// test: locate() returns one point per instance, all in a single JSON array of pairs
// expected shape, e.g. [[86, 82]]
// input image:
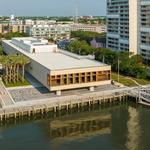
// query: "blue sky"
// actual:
[[52, 7]]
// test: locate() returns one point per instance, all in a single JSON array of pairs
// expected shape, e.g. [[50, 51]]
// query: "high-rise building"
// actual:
[[128, 26], [145, 30], [118, 24]]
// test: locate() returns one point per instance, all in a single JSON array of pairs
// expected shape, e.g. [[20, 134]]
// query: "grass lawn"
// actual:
[[25, 83], [123, 80], [142, 81], [128, 82]]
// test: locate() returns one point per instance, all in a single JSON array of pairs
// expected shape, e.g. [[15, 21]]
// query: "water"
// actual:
[[119, 127]]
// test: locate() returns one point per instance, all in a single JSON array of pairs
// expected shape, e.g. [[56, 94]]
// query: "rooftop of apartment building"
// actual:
[[50, 25]]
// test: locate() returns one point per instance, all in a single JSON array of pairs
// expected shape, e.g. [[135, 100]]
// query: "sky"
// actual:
[[52, 7]]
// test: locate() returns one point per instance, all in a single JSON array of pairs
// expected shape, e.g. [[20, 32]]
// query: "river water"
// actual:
[[119, 127]]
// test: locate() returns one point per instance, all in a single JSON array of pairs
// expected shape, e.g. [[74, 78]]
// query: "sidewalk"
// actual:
[[5, 97]]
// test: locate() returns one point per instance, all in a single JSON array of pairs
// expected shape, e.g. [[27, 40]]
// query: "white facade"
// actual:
[[128, 26], [45, 22], [89, 28], [29, 22], [32, 45], [49, 31]]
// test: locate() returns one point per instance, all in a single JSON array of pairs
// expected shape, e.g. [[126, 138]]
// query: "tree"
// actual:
[[24, 60], [1, 50], [87, 36], [11, 65], [79, 47]]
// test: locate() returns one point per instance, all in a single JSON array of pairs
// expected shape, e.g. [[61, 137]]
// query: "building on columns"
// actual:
[[57, 69]]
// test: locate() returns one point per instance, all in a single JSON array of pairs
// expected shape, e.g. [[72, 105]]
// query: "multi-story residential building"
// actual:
[[49, 31], [28, 22], [144, 39], [17, 28], [4, 28], [44, 22], [128, 26], [88, 27], [1, 29], [118, 24], [16, 22]]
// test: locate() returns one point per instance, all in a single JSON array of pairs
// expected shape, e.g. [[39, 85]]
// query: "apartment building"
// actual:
[[49, 31], [88, 27], [128, 26], [44, 22], [1, 29], [144, 39], [4, 28], [17, 28], [118, 24]]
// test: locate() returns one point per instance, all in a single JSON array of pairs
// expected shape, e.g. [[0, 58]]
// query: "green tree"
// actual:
[[1, 50], [24, 61], [12, 65], [79, 47]]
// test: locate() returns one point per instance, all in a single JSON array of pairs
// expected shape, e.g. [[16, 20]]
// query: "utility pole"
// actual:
[[118, 69], [79, 51], [139, 94], [103, 59], [76, 15]]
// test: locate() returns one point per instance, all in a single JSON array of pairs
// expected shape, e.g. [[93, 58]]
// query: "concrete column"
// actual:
[[91, 88], [58, 93]]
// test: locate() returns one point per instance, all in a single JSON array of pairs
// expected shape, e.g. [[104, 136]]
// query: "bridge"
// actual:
[[141, 93]]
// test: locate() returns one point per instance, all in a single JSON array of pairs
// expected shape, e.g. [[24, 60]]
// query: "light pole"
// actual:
[[79, 51], [103, 59], [118, 69]]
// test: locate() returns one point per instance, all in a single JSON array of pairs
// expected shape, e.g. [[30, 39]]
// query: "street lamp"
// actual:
[[118, 69], [103, 59]]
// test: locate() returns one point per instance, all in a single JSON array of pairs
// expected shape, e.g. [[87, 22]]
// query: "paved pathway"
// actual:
[[133, 81], [5, 97], [32, 93]]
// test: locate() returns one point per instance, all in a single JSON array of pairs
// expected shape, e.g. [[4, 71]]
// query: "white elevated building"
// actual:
[[49, 31], [58, 69]]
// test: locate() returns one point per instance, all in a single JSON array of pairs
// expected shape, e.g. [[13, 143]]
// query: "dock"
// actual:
[[62, 102], [67, 102]]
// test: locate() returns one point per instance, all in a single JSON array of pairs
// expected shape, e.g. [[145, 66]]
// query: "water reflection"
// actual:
[[89, 124], [134, 131], [119, 127]]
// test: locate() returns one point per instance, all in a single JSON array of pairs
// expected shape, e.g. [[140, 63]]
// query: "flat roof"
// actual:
[[59, 60]]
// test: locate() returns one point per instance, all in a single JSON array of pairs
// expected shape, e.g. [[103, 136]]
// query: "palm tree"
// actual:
[[11, 64], [4, 61], [24, 61], [15, 63]]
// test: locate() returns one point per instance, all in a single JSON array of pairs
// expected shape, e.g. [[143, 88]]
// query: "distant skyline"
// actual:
[[52, 7]]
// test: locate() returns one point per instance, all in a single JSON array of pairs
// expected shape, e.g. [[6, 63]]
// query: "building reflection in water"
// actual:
[[133, 126], [80, 127]]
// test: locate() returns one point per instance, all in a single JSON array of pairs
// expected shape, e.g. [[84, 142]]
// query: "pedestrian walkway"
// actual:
[[5, 97]]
